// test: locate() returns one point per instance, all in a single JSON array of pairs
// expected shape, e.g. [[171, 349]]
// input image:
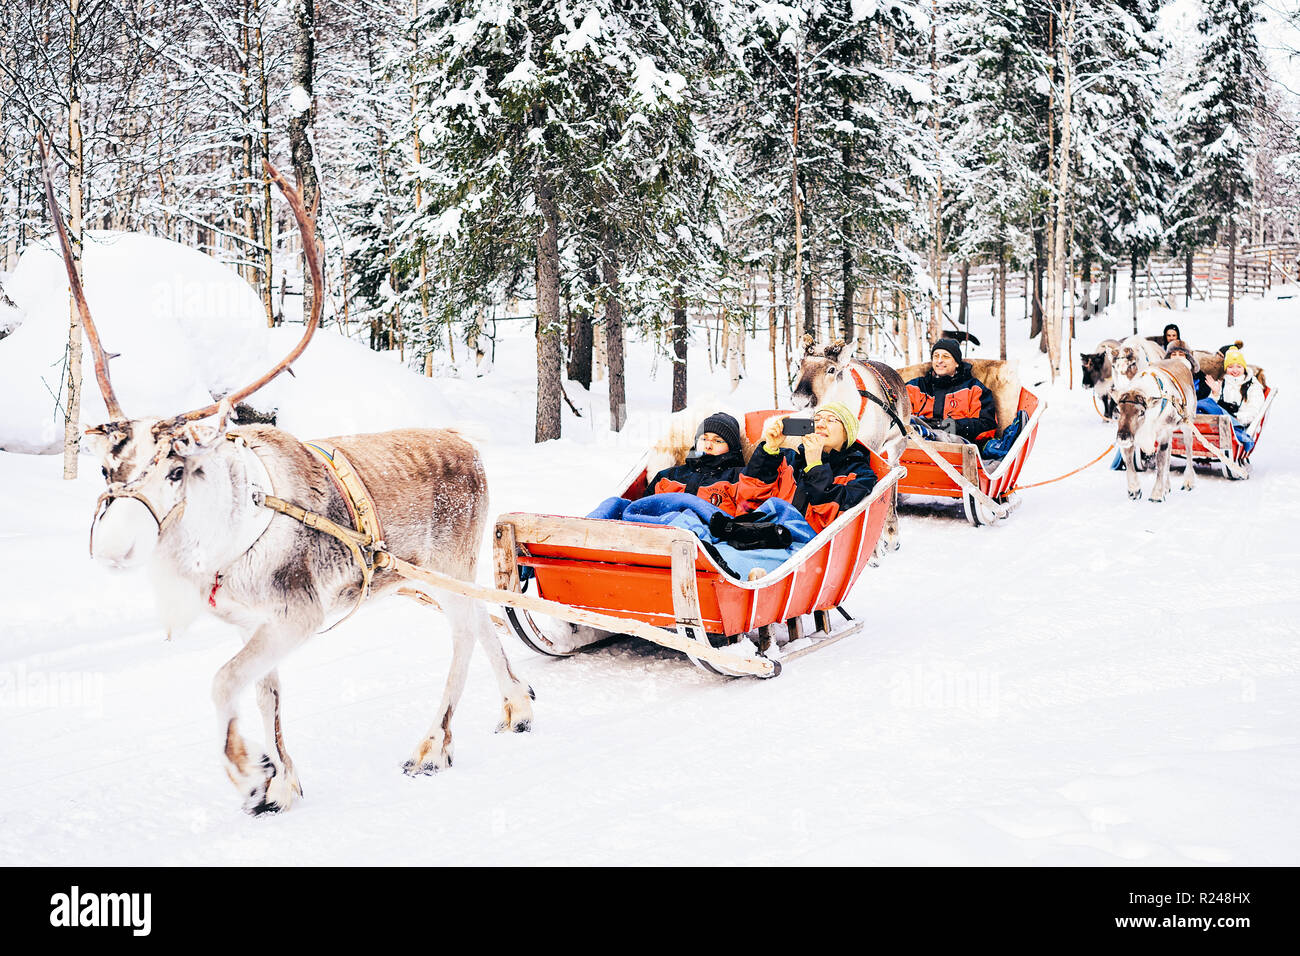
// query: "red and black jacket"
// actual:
[[842, 480], [711, 477], [961, 397]]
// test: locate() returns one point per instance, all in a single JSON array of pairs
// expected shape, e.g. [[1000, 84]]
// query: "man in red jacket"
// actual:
[[951, 399]]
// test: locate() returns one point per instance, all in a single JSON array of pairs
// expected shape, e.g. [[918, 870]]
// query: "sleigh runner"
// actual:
[[661, 584]]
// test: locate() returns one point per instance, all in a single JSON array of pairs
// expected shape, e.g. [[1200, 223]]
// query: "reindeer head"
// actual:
[[1128, 362], [151, 466], [1096, 368], [1136, 408], [818, 374]]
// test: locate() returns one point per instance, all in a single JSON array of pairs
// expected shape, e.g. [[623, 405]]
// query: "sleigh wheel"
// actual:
[[551, 637], [977, 513]]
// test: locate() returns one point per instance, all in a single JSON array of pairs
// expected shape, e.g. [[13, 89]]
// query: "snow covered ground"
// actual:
[[1093, 681]]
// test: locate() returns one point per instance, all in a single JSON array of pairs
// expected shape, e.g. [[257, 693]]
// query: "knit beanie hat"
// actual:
[[1233, 357], [1178, 334], [948, 345], [846, 417], [725, 427]]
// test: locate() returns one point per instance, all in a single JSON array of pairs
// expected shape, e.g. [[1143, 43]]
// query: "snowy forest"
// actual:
[[695, 173]]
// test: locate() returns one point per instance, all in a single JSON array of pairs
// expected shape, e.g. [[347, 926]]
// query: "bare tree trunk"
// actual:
[[847, 292], [1187, 303], [1133, 288], [302, 116], [268, 221], [613, 332], [1232, 253], [936, 300], [679, 350], [76, 212], [1056, 305], [1002, 300], [810, 307], [964, 302], [550, 357], [415, 147], [771, 326], [1036, 315], [1103, 296], [794, 194]]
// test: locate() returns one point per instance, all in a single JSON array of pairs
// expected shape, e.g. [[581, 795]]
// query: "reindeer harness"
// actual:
[[867, 396]]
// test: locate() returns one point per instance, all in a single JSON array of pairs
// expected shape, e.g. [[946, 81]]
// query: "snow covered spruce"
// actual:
[[237, 522]]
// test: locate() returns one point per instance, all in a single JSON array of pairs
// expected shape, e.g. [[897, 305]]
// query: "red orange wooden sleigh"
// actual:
[[661, 584], [995, 480]]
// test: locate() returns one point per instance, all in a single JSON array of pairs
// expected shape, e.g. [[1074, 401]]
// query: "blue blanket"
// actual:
[[681, 510], [1208, 406]]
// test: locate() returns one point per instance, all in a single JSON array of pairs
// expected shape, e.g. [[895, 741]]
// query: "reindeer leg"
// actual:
[[889, 540], [1130, 471], [1189, 473], [1161, 488], [284, 785], [252, 776], [517, 696], [434, 752]]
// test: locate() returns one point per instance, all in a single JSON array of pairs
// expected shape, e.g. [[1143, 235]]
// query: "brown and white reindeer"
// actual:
[[1149, 407], [1134, 354], [874, 389], [194, 501]]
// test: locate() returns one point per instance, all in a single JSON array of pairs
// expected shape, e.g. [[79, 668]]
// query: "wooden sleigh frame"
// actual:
[[661, 584], [1218, 444], [925, 477]]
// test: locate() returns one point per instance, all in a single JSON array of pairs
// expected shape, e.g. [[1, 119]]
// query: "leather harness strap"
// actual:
[[872, 397], [364, 542]]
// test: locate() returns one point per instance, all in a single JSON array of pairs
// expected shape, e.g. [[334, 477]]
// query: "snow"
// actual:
[[184, 325], [299, 101], [1094, 681]]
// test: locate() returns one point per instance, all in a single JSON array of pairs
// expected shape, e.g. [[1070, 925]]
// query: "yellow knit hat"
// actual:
[[1233, 357], [846, 417]]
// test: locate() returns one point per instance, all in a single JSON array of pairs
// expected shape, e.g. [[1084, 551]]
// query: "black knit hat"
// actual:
[[725, 427], [950, 346], [1178, 333]]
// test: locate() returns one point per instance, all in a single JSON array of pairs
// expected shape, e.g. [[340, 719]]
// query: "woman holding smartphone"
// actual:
[[828, 473]]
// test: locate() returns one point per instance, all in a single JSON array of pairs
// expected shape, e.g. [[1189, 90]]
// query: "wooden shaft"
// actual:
[[730, 663]]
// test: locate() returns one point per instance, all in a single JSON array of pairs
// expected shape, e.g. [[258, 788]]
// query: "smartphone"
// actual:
[[794, 427]]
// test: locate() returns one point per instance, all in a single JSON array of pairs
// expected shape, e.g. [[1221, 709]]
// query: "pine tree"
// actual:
[[1219, 122]]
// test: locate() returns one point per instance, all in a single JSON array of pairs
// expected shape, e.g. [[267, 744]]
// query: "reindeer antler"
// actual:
[[312, 248], [809, 343], [833, 350], [78, 293]]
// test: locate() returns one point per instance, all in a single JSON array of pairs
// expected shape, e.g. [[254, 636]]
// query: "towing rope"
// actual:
[[1049, 481]]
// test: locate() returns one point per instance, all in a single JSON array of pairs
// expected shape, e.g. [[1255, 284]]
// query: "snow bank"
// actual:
[[184, 325]]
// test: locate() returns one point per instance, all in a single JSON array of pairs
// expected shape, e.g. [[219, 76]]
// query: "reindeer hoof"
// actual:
[[426, 769], [521, 726], [1135, 495]]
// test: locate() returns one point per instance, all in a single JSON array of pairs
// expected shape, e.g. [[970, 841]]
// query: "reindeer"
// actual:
[[1098, 375], [1134, 354], [1149, 407], [229, 521], [874, 389]]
